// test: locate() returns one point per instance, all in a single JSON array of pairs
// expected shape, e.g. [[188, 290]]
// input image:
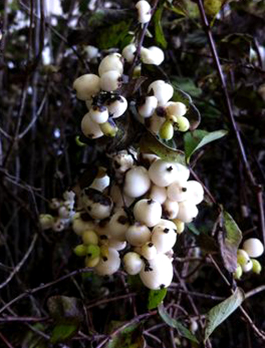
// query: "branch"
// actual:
[[257, 187]]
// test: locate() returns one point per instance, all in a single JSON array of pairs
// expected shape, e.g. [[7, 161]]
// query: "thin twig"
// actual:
[[21, 263]]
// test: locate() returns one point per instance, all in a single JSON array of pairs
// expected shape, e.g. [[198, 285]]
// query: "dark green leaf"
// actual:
[[155, 297], [159, 34], [221, 312], [229, 241], [150, 144], [187, 85], [114, 35], [197, 139], [183, 331], [63, 332]]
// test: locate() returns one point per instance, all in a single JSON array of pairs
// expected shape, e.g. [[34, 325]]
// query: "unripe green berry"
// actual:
[[256, 266], [79, 142], [109, 129], [242, 257], [183, 124], [80, 250], [93, 251], [166, 131], [92, 262], [90, 237], [238, 273], [46, 221]]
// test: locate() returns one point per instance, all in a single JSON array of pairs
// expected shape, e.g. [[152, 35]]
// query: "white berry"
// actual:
[[148, 212], [111, 62], [162, 90], [147, 109], [132, 263], [187, 211], [144, 11], [138, 234], [90, 128], [86, 86], [137, 182], [108, 264], [128, 52], [162, 173], [253, 247]]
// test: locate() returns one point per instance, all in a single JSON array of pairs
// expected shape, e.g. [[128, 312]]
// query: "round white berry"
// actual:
[[86, 86], [132, 263], [195, 191], [176, 108], [158, 273], [90, 128], [137, 182], [187, 211], [163, 238], [182, 173], [253, 247], [152, 55], [162, 90], [158, 194], [247, 267], [138, 234], [108, 264], [170, 209], [148, 212], [99, 114], [162, 173], [147, 109], [117, 106], [97, 205], [148, 251], [111, 62], [110, 81], [117, 244], [128, 52], [118, 225], [177, 192], [144, 11]]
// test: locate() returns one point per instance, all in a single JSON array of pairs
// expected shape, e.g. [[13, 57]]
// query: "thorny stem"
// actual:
[[257, 187]]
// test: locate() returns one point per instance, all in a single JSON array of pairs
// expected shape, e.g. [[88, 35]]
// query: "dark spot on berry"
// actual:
[[150, 245], [97, 197], [160, 111], [166, 230], [123, 220], [184, 189], [162, 286], [150, 201], [104, 258], [175, 230], [169, 169], [85, 217], [89, 255]]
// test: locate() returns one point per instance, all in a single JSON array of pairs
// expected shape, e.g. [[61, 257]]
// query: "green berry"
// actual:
[[238, 273], [183, 124], [109, 129], [80, 250], [256, 266], [93, 251], [166, 131]]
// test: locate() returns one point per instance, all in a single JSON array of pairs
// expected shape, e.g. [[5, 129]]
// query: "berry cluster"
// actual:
[[246, 257], [159, 114], [140, 211], [63, 211]]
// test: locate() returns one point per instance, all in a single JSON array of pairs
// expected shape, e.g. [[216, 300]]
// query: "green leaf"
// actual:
[[150, 144], [155, 297], [193, 141], [63, 332], [130, 337], [114, 35], [229, 241], [221, 312], [159, 34], [183, 331], [187, 85]]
